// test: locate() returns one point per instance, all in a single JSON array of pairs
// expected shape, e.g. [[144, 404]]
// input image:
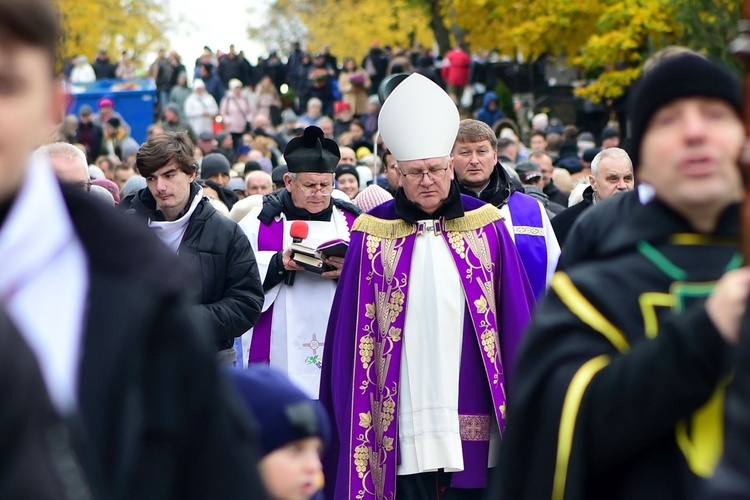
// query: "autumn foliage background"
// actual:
[[609, 40]]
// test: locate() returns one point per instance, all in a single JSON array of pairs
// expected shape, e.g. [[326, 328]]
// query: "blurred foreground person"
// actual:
[[104, 308], [294, 429], [620, 386]]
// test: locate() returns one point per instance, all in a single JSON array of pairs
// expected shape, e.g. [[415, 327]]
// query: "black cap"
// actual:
[[277, 174], [214, 163], [251, 166], [682, 76], [347, 168], [312, 152], [589, 154], [610, 132]]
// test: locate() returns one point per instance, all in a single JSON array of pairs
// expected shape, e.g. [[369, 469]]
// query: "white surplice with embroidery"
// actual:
[[300, 311]]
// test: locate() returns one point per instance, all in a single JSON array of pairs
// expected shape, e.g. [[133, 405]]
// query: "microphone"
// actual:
[[298, 232]]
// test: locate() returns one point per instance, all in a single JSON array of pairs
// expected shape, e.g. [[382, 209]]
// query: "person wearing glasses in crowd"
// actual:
[[70, 166], [427, 318], [291, 331]]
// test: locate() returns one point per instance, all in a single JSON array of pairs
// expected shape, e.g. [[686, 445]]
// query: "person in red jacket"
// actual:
[[455, 72]]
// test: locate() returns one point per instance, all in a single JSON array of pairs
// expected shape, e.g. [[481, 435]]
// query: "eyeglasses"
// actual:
[[85, 186], [434, 173], [324, 189]]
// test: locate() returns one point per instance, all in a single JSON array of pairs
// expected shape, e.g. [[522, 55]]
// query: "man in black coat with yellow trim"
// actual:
[[213, 246], [620, 385]]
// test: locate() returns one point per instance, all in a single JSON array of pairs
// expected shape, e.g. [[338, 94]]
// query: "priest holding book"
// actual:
[[425, 326], [290, 333]]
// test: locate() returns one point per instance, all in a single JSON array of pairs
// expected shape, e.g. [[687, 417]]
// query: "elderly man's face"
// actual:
[[689, 154], [613, 176], [474, 163], [427, 182], [347, 156], [327, 128], [310, 191], [258, 185]]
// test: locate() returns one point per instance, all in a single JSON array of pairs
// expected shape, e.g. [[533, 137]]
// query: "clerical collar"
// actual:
[[292, 212], [451, 208]]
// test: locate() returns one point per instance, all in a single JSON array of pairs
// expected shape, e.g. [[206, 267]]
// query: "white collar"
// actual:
[[37, 228]]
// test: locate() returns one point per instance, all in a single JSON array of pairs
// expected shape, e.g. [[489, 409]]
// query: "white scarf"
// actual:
[[171, 232], [45, 281]]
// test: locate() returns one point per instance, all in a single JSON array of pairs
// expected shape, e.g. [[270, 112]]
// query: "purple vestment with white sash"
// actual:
[[360, 378]]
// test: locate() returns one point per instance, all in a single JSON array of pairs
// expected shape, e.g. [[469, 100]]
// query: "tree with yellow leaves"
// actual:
[[115, 25], [609, 39], [349, 27]]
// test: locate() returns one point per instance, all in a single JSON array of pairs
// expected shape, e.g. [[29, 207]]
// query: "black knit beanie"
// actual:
[[683, 76]]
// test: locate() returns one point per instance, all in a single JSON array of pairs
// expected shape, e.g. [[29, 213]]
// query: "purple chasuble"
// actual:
[[362, 358]]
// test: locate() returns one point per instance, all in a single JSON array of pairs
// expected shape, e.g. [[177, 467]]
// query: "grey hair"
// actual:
[[322, 120], [616, 153], [65, 151]]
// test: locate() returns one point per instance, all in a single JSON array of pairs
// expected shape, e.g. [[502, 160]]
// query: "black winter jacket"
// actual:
[[218, 251]]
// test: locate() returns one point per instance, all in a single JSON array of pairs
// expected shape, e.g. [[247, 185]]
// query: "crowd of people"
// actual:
[[446, 312]]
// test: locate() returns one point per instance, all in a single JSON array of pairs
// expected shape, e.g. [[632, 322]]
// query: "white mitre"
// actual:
[[418, 120]]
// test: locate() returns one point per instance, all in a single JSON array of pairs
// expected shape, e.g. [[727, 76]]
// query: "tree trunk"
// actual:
[[437, 23]]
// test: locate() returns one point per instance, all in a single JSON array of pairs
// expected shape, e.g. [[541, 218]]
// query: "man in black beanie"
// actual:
[[619, 389]]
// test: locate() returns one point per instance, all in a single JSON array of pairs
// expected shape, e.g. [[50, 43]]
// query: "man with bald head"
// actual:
[[68, 163], [428, 313], [348, 156], [258, 182]]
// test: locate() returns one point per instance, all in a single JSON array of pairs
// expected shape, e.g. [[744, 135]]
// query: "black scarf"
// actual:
[[281, 201], [451, 208], [498, 190]]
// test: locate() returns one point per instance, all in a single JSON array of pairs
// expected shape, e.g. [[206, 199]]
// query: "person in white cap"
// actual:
[[428, 314], [201, 108]]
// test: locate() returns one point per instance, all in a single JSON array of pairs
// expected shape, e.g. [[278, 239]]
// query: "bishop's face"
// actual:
[[427, 182]]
